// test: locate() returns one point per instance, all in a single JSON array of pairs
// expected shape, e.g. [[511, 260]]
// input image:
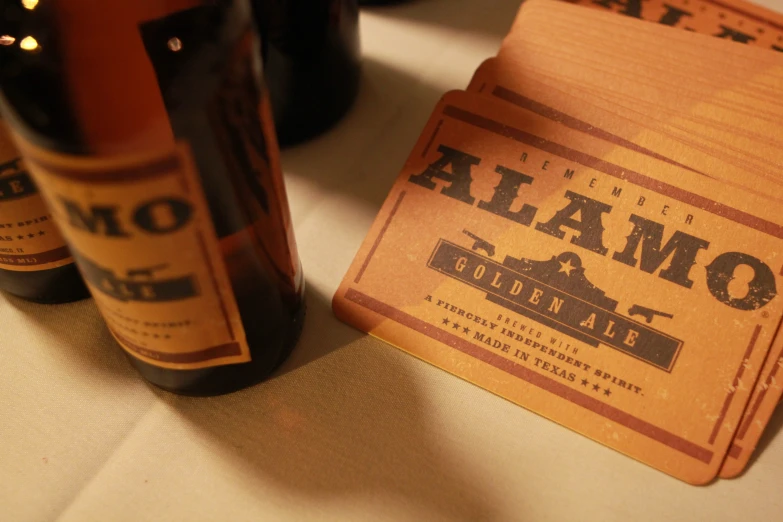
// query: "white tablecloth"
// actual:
[[350, 429]]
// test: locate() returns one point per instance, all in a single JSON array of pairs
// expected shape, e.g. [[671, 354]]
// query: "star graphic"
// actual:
[[466, 330], [596, 387], [607, 392], [19, 237], [455, 326], [31, 236], [585, 382], [41, 233], [445, 321], [566, 267]]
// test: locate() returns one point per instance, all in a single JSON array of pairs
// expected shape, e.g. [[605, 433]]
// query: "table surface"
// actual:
[[350, 428]]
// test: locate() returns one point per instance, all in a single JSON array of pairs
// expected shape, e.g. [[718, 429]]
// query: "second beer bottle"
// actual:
[[146, 127], [35, 263]]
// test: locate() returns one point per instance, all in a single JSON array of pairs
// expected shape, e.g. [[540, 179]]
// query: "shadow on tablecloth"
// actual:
[[346, 417], [79, 337]]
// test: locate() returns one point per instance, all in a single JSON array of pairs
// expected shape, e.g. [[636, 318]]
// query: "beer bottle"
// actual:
[[146, 127], [35, 263], [311, 61]]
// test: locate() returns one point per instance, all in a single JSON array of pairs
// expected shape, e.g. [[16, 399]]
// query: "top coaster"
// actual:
[[634, 303]]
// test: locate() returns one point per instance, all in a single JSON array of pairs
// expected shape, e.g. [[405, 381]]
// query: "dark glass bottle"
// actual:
[[312, 63], [35, 263], [146, 126]]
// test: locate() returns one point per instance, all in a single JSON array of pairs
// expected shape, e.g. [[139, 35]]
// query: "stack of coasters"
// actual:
[[592, 231]]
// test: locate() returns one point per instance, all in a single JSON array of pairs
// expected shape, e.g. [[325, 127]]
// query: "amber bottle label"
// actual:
[[142, 236], [29, 239]]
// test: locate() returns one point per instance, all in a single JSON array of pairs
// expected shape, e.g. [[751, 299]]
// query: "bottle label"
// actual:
[[29, 239], [143, 238]]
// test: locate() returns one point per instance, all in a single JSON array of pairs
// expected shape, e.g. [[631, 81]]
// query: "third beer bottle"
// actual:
[[146, 128]]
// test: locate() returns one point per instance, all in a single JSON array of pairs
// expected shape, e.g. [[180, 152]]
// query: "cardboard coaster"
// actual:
[[634, 306]]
